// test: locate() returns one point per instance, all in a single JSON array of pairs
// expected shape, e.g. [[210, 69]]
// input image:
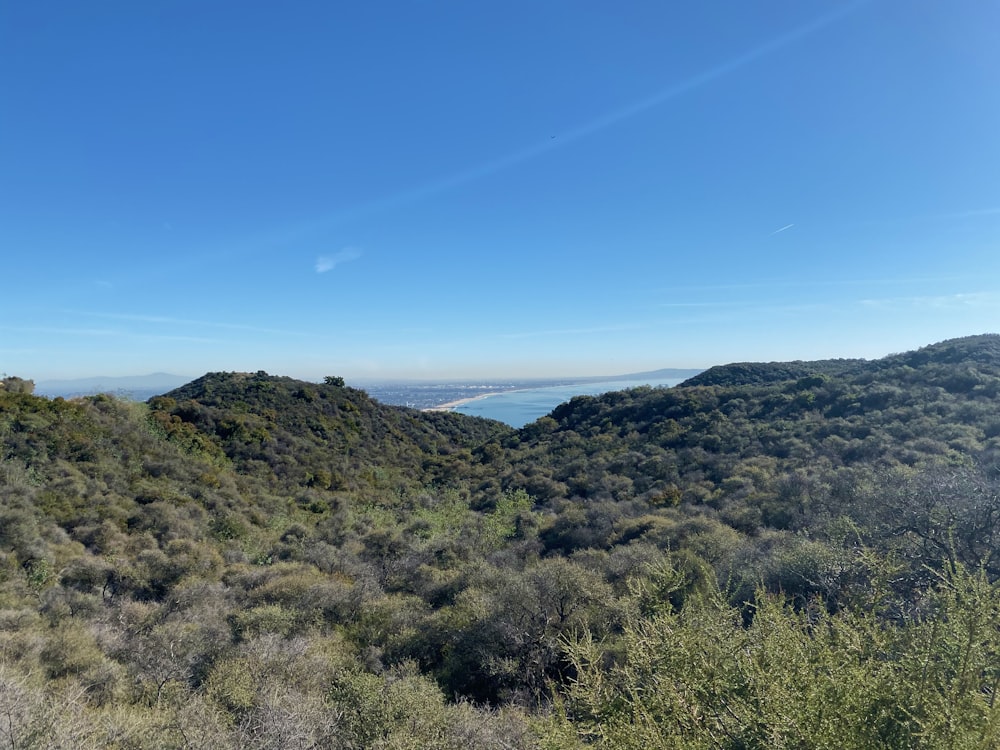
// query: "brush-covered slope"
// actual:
[[981, 352], [776, 455], [172, 583], [254, 561], [762, 373], [323, 435], [936, 403]]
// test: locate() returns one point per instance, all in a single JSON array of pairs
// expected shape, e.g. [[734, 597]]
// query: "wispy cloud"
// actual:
[[699, 304], [783, 229], [569, 331], [59, 331], [971, 214], [326, 263], [801, 283], [164, 320], [105, 333], [740, 307], [740, 311], [962, 300], [565, 137]]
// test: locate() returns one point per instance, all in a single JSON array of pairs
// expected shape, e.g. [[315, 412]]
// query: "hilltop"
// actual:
[[325, 435], [980, 351]]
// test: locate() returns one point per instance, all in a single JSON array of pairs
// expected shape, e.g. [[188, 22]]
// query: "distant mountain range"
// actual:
[[137, 387]]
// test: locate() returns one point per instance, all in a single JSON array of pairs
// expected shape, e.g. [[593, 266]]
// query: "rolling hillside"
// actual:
[[255, 561]]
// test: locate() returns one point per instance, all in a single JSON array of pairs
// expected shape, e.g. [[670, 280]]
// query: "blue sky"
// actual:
[[465, 189]]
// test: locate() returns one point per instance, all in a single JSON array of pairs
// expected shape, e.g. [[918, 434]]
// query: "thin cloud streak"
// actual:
[[974, 213], [290, 234], [686, 305], [738, 310], [730, 308], [962, 300], [718, 311], [61, 331], [569, 331], [789, 283], [589, 128], [106, 333], [326, 263], [163, 320]]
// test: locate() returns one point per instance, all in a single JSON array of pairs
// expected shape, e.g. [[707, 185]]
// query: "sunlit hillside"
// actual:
[[798, 554]]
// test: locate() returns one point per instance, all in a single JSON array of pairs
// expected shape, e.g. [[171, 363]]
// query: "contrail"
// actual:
[[596, 125], [779, 231], [292, 233]]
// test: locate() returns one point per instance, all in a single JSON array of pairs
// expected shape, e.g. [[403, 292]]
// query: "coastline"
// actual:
[[541, 400], [452, 405]]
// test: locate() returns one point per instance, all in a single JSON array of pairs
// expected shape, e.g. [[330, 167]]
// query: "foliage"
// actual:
[[777, 555], [699, 677]]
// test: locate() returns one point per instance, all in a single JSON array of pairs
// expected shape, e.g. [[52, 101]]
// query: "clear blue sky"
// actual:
[[451, 189]]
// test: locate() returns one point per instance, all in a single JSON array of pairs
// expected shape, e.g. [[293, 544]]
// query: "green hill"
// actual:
[[761, 373], [292, 433], [256, 561], [978, 351]]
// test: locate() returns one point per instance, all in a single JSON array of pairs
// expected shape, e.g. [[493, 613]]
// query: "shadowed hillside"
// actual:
[[329, 436]]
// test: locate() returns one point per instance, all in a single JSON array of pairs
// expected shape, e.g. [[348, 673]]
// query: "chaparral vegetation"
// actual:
[[770, 555]]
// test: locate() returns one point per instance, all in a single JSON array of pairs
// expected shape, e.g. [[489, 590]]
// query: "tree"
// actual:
[[13, 384]]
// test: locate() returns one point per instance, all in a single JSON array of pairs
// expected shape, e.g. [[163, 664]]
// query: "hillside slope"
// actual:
[[295, 433], [255, 561]]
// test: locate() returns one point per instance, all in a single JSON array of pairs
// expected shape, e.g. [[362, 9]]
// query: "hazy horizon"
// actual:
[[163, 376], [609, 370], [464, 190]]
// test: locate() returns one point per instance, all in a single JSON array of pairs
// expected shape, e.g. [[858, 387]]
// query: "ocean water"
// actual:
[[518, 408]]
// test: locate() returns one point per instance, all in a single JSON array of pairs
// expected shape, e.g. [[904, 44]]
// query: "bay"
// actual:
[[518, 408]]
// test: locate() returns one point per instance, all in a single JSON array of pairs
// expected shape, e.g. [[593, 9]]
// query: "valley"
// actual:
[[802, 550]]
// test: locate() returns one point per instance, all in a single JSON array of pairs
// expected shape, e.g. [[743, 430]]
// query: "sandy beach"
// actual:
[[451, 405]]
